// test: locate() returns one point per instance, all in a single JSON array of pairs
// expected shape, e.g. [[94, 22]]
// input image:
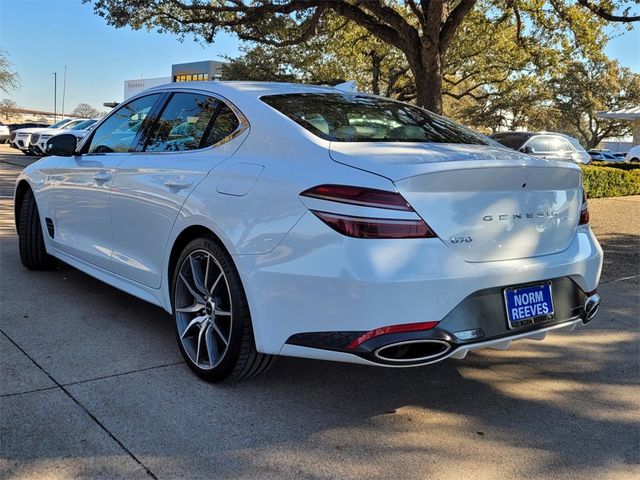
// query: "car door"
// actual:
[[82, 186], [194, 132]]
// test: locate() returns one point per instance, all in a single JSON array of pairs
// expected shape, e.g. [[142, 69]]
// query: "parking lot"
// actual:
[[94, 386]]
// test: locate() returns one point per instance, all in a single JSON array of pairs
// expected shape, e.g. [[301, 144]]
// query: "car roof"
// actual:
[[248, 89]]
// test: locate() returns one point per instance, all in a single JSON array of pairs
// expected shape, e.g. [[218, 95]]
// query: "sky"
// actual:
[[42, 36]]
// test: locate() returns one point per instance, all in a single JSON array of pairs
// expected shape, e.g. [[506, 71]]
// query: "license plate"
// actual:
[[529, 305]]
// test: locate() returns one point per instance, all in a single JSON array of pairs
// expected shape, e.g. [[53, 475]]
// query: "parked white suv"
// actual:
[[21, 138], [79, 130]]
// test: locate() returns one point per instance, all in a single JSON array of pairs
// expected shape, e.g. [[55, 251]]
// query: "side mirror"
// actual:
[[63, 145], [528, 149]]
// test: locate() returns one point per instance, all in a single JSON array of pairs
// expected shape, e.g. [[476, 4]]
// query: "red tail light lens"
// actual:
[[367, 197], [584, 210], [407, 327], [360, 227]]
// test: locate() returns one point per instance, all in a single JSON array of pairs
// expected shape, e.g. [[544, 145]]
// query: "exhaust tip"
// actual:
[[591, 307], [412, 351]]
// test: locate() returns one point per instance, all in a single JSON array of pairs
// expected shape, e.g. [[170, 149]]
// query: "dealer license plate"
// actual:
[[529, 305]]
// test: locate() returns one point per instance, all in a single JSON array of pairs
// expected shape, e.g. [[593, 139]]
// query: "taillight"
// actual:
[[366, 197], [363, 227], [368, 227], [584, 210]]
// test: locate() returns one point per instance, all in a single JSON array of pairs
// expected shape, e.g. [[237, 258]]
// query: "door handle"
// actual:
[[177, 184], [102, 177]]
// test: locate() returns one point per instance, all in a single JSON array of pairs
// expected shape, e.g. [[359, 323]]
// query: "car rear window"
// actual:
[[364, 118]]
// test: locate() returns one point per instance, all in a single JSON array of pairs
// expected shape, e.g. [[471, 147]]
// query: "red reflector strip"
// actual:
[[407, 327], [360, 227], [366, 197]]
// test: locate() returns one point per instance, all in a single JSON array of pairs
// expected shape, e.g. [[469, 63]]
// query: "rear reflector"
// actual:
[[366, 197], [360, 227], [407, 327], [584, 210]]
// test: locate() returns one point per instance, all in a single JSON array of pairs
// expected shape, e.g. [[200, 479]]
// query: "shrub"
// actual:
[[610, 181], [620, 165]]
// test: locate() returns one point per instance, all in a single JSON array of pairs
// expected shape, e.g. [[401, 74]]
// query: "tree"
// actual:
[[7, 108], [585, 88], [423, 30], [85, 110], [9, 79]]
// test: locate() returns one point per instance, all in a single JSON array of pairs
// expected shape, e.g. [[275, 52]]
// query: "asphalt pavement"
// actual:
[[93, 386]]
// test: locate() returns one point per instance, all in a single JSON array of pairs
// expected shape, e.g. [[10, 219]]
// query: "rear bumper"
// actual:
[[479, 321], [317, 280]]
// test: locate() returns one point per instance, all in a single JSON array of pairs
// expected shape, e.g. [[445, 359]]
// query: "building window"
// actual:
[[192, 77]]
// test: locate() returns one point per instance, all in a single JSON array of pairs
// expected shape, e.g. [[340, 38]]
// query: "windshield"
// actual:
[[83, 125], [60, 123], [362, 118], [575, 143]]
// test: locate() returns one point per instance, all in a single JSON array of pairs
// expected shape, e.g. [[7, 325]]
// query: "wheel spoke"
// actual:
[[212, 346], [215, 284], [192, 323], [200, 335], [196, 273], [224, 339], [222, 313], [206, 273], [196, 296], [196, 307]]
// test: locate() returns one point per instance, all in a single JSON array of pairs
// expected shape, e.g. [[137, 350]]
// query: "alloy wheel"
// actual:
[[203, 306]]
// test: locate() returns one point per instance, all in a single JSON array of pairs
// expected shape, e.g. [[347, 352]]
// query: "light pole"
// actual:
[[55, 97]]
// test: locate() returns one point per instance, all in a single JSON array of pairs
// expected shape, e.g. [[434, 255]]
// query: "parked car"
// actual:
[[17, 126], [79, 130], [21, 138], [602, 156], [552, 146], [4, 133], [279, 219], [633, 155]]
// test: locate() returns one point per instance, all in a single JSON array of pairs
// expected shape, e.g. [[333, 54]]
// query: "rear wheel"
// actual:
[[213, 323], [33, 253]]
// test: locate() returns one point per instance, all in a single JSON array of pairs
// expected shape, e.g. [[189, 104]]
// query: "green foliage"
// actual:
[[610, 182], [620, 165]]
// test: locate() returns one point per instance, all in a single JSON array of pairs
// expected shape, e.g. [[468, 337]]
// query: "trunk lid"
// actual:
[[485, 203]]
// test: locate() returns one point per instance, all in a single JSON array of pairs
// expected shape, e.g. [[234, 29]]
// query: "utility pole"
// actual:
[[55, 95], [64, 90]]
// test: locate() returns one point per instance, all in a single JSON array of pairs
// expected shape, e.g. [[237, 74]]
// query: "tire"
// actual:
[[33, 253], [28, 153], [209, 306]]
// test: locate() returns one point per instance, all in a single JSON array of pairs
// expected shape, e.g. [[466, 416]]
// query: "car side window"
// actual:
[[118, 133], [224, 125], [183, 123], [557, 144], [538, 144]]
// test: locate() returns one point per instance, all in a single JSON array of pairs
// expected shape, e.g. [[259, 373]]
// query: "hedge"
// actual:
[[620, 165], [610, 181]]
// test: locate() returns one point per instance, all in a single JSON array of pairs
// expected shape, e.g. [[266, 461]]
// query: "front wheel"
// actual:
[[33, 253], [211, 314]]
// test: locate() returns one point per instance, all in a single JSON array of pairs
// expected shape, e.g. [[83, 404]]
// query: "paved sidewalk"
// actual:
[[93, 386]]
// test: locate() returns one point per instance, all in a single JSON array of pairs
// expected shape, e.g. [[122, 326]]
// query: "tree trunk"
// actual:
[[426, 66]]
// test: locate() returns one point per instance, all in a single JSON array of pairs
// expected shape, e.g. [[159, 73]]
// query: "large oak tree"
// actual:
[[423, 30]]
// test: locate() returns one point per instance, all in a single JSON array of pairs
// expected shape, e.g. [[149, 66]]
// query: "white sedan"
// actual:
[[633, 155], [277, 219]]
